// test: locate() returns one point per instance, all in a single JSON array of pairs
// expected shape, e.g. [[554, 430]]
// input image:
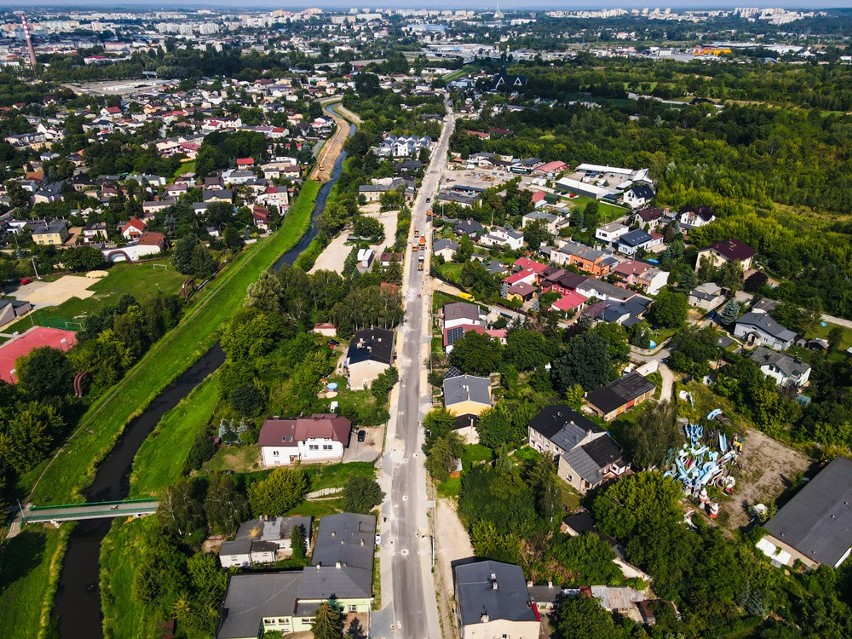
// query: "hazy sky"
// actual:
[[505, 5]]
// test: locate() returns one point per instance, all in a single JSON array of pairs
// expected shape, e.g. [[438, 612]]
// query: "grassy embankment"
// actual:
[[74, 466]]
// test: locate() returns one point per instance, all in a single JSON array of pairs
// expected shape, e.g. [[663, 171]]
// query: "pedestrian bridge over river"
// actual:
[[92, 510]]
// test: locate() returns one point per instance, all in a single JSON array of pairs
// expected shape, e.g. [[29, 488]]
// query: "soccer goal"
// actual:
[[165, 267]]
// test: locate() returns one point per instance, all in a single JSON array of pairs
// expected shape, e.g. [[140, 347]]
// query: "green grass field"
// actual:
[[28, 571], [118, 564], [61, 479], [140, 280], [161, 458], [335, 475], [186, 167]]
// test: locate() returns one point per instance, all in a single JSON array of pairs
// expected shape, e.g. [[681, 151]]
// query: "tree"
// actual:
[[328, 621], [645, 500], [180, 508], [730, 313], [527, 349], [299, 542], [202, 264], [46, 372], [182, 254], [669, 310], [585, 361], [443, 455], [266, 293], [232, 238], [83, 258], [28, 435], [464, 251], [583, 618], [755, 282], [536, 234], [476, 354], [654, 433], [437, 423], [495, 429], [199, 607], [355, 630], [361, 494], [248, 399], [615, 335], [639, 335], [280, 492], [224, 506], [693, 349]]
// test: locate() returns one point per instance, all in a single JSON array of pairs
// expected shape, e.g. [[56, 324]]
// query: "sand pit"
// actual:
[[54, 293]]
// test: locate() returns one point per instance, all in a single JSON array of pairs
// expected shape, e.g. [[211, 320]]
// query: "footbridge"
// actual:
[[79, 512]]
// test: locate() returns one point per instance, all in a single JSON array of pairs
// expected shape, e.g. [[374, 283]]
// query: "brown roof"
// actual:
[[734, 249], [150, 238], [278, 432]]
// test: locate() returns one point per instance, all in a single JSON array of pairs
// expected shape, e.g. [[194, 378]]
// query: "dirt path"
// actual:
[[331, 149], [767, 468]]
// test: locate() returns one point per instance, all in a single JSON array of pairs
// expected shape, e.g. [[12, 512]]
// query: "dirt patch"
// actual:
[[767, 468], [452, 540], [55, 293]]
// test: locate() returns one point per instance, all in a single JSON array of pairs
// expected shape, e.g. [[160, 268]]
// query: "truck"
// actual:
[[421, 259], [422, 242]]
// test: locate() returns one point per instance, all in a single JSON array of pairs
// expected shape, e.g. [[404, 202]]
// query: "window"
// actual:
[[275, 453], [326, 446], [569, 477], [353, 608], [313, 447]]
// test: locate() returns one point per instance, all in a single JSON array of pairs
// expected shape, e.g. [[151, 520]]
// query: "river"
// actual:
[[78, 599]]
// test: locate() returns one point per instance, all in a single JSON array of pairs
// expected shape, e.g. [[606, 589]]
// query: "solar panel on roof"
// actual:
[[454, 334]]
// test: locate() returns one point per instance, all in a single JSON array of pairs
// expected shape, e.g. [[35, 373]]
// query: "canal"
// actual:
[[78, 599]]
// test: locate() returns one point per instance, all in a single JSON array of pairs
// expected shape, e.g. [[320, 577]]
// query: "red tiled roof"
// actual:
[[569, 301]]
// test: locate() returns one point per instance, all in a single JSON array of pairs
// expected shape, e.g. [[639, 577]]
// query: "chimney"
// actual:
[[338, 564], [483, 618], [494, 585], [334, 533]]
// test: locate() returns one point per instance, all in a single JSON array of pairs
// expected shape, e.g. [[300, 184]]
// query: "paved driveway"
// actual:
[[368, 450]]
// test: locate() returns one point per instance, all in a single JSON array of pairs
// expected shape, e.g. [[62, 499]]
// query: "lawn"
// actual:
[[161, 458], [450, 271], [458, 73], [139, 279], [335, 475], [318, 508], [474, 454], [61, 479], [236, 459], [29, 570], [123, 617], [185, 167]]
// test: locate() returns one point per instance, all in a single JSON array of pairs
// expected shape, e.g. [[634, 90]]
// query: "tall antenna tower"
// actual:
[[29, 40]]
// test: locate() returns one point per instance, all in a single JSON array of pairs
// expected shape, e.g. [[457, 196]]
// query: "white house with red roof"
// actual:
[[570, 302], [245, 163], [261, 218], [646, 276], [527, 275], [133, 230], [274, 196], [318, 438]]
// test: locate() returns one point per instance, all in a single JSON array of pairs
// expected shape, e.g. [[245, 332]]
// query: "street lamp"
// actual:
[[38, 277]]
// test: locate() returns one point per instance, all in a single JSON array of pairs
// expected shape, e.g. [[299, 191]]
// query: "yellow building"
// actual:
[[51, 234]]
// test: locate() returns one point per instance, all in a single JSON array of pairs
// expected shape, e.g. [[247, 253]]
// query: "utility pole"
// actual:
[[38, 277]]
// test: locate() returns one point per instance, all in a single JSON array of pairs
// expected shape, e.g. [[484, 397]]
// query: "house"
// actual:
[[260, 218], [453, 335], [492, 602], [638, 195], [550, 220], [616, 398], [649, 219], [134, 229], [730, 250], [471, 228], [341, 568], [610, 233], [50, 233], [550, 169], [95, 233], [586, 259], [370, 354], [325, 329], [644, 276], [502, 236], [695, 217], [570, 303], [217, 195], [603, 291], [627, 312], [263, 541], [152, 239], [589, 465], [466, 396], [462, 313], [785, 370], [152, 207], [759, 328], [815, 527], [445, 248], [318, 438], [10, 310], [707, 296], [638, 240]]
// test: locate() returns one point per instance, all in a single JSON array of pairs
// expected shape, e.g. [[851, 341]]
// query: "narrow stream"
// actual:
[[78, 600]]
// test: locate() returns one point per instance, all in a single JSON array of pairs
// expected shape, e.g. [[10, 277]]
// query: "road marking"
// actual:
[[404, 552], [405, 498]]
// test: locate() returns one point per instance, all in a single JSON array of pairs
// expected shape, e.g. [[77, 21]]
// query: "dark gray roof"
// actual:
[[467, 388], [818, 520], [477, 597], [347, 538], [345, 582], [238, 547], [273, 529], [252, 597], [563, 426], [767, 325], [442, 244], [582, 464], [788, 366], [371, 344], [635, 238], [608, 398], [461, 310]]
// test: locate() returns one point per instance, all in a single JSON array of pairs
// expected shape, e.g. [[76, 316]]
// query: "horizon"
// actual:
[[476, 5]]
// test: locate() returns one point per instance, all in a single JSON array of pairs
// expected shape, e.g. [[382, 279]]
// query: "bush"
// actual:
[[200, 451], [248, 399], [361, 495]]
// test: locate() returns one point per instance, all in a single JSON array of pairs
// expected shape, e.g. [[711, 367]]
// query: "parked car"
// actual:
[[362, 435]]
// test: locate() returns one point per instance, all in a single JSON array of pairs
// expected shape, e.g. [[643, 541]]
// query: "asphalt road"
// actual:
[[408, 588]]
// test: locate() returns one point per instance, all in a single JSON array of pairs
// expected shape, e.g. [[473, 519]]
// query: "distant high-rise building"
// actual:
[[28, 37]]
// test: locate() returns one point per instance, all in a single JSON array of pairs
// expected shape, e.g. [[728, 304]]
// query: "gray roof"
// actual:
[[635, 238], [788, 366], [272, 529], [346, 582], [347, 538], [583, 465], [238, 547], [589, 460], [768, 326], [461, 310], [477, 596], [620, 392], [818, 520], [467, 388], [707, 291], [443, 244], [252, 597]]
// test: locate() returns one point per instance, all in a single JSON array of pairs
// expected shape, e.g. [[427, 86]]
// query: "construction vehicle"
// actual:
[[422, 242], [421, 259], [416, 233]]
